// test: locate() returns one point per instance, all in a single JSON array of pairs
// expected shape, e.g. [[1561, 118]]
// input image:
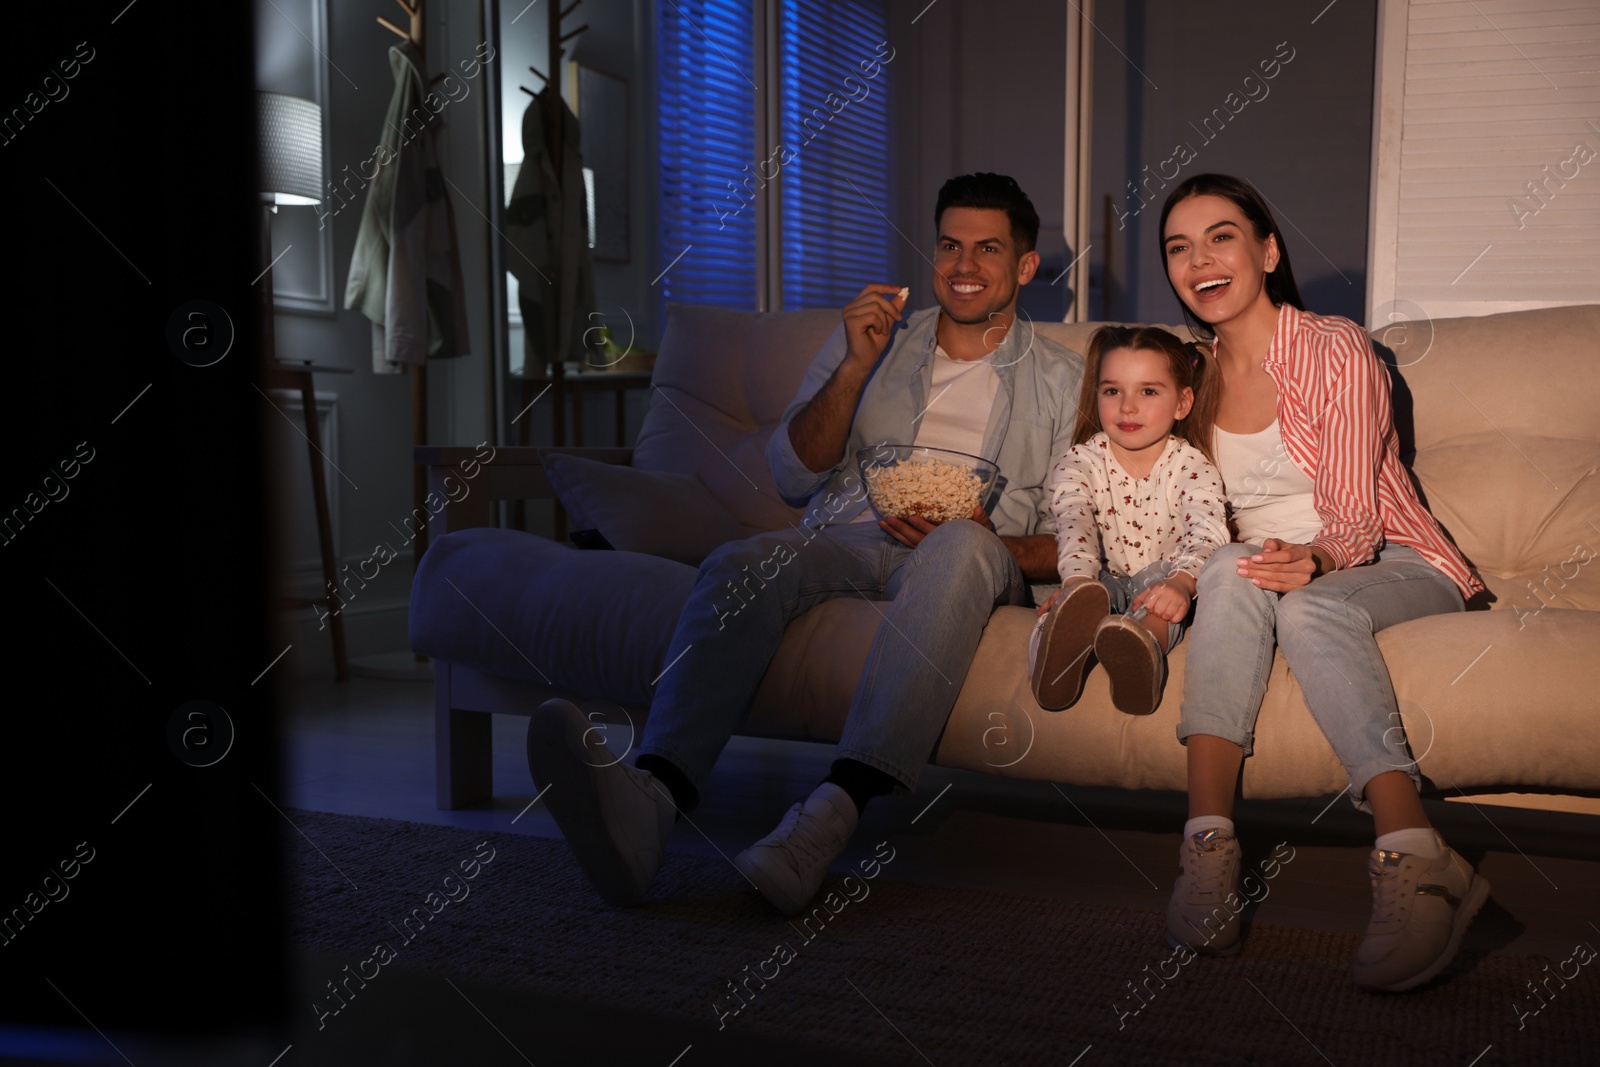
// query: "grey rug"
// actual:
[[896, 972]]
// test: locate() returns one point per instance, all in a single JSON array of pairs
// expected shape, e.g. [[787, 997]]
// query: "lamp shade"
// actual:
[[290, 130]]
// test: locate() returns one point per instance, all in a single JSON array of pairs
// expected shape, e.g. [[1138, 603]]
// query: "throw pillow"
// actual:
[[660, 514]]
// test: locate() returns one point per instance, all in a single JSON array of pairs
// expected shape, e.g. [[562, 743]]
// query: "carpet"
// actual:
[[890, 971]]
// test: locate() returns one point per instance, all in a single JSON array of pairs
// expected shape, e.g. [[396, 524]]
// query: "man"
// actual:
[[962, 376]]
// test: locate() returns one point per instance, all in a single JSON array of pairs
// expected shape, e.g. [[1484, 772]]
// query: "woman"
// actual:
[[1334, 546]]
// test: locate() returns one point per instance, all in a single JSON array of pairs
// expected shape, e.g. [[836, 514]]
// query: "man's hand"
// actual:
[[1167, 599], [1282, 566], [869, 319], [819, 430], [912, 529]]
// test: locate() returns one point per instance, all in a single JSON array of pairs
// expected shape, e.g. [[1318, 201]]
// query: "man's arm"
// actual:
[[1035, 554], [819, 430]]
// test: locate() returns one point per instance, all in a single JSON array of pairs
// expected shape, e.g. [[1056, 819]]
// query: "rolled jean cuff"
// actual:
[[905, 781], [1224, 730], [1369, 770]]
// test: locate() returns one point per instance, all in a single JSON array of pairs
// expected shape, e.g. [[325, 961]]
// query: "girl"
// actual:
[[1137, 512], [1336, 547]]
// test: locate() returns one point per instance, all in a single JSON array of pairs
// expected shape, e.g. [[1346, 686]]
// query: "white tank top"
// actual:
[[1268, 495]]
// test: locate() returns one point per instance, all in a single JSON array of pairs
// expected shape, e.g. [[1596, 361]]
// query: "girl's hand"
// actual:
[[1281, 566], [1167, 599]]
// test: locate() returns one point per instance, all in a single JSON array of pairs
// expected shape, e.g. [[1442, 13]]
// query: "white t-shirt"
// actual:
[[1269, 495], [960, 401]]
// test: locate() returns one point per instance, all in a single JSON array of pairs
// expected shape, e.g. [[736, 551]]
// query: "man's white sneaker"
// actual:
[[1420, 910], [615, 817], [1203, 915], [788, 865]]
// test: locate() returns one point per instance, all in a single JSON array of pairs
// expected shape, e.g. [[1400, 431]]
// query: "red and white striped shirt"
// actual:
[[1338, 427]]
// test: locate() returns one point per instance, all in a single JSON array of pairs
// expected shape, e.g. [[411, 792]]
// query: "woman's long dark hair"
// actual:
[[1281, 289]]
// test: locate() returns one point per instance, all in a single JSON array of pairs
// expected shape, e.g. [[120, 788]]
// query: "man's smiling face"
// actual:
[[977, 266]]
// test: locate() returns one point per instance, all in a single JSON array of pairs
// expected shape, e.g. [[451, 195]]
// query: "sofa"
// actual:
[[1498, 421]]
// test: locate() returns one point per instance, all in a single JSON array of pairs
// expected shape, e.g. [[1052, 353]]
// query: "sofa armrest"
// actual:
[[511, 473]]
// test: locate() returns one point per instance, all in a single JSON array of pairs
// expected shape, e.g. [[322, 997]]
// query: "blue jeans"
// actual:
[[1326, 631], [941, 594]]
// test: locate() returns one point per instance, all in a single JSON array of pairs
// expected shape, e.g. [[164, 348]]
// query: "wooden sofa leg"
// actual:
[[463, 750]]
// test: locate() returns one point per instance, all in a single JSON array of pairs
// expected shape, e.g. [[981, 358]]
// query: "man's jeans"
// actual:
[[1325, 630], [941, 594]]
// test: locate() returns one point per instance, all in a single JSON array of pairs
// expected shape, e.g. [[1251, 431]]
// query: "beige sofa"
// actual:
[[1503, 699]]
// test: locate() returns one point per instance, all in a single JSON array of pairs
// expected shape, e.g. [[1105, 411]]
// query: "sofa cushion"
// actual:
[[513, 604], [722, 380], [658, 513], [1522, 508]]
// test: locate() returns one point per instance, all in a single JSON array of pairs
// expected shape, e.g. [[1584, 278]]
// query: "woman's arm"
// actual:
[[1341, 393]]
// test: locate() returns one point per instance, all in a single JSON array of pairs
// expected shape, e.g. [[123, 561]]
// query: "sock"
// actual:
[[1418, 841], [1201, 823], [861, 781], [684, 794]]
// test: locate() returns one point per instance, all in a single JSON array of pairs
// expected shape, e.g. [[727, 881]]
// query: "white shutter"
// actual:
[[1486, 161]]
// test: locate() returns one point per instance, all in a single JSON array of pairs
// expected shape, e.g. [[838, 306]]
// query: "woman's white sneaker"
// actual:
[[1203, 915], [1421, 909]]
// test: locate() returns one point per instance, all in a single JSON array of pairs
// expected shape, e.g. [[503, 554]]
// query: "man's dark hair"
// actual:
[[999, 192]]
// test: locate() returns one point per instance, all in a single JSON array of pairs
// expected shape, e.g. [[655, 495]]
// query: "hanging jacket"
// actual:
[[405, 274], [547, 228]]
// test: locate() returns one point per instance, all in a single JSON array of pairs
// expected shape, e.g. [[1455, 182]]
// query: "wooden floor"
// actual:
[[366, 748]]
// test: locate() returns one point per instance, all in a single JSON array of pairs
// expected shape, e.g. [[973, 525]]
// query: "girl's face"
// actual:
[[1139, 401], [1215, 261]]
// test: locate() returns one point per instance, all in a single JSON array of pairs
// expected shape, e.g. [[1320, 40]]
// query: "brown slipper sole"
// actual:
[[1133, 662], [1064, 647]]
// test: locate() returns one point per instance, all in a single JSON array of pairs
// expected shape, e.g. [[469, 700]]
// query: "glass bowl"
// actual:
[[934, 484]]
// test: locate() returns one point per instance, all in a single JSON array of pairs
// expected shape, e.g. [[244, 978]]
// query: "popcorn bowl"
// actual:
[[934, 484]]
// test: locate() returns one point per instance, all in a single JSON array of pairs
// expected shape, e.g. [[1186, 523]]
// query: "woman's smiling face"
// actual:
[[1215, 261]]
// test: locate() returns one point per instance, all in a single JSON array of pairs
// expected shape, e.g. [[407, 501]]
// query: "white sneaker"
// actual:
[[1203, 915], [1420, 910], [788, 865], [616, 818]]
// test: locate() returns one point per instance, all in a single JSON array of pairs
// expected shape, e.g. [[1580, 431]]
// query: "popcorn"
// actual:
[[904, 293], [930, 489]]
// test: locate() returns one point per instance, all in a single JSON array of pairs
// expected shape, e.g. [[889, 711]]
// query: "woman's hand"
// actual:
[[1167, 599], [1280, 566]]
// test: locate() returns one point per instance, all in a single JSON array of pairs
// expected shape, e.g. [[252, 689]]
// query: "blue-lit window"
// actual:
[[822, 172]]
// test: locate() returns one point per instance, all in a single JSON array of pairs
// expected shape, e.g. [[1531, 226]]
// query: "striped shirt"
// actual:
[[1338, 426]]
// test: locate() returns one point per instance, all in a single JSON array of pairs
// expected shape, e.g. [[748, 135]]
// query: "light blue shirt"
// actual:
[[1030, 425]]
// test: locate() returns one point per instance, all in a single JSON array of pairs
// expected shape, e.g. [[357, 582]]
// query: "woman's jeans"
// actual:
[[1326, 632]]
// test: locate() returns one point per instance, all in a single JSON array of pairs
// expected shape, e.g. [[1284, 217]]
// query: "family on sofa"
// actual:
[[1121, 475]]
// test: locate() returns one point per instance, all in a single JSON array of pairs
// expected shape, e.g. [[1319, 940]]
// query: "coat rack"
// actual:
[[419, 371], [552, 112]]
